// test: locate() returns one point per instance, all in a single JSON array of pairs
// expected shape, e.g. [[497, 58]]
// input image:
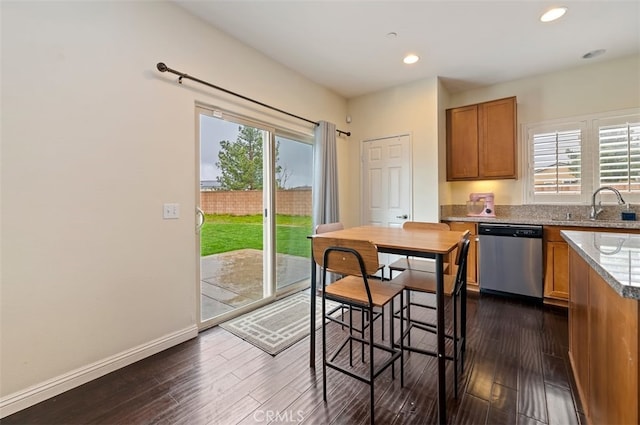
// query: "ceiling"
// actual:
[[346, 46]]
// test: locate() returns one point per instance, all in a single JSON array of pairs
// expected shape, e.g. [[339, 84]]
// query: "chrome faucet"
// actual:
[[593, 213]]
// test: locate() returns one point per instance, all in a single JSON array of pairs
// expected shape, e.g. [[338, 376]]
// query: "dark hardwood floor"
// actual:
[[516, 372]]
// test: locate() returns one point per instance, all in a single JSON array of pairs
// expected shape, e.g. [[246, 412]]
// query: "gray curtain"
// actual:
[[325, 175]]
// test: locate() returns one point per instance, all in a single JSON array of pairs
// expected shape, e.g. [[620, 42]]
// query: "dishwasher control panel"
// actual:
[[512, 230]]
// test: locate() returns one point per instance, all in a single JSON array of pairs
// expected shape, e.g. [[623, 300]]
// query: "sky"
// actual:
[[296, 158]]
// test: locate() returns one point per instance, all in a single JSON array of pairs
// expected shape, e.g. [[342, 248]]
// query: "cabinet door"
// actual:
[[603, 346], [556, 278], [462, 143], [472, 256], [497, 139], [472, 260], [614, 374], [579, 326]]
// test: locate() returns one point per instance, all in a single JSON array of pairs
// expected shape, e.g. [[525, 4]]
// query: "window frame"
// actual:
[[619, 121], [590, 156], [552, 127], [270, 278]]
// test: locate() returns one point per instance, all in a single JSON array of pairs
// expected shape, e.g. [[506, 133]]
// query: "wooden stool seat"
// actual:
[[416, 264], [424, 282], [350, 289]]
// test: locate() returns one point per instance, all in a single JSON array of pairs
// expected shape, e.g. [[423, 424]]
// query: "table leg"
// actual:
[[442, 406], [312, 324]]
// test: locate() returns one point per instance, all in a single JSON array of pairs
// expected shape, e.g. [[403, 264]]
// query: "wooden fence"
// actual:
[[248, 202]]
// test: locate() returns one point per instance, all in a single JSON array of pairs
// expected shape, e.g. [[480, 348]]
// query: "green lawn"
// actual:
[[222, 233]]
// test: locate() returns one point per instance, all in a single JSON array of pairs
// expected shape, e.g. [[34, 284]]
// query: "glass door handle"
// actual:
[[199, 219]]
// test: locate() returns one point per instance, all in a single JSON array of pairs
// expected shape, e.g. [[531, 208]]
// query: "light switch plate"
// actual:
[[171, 211]]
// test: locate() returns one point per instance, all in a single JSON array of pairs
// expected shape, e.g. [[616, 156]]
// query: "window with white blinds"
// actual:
[[557, 162], [619, 159], [569, 159]]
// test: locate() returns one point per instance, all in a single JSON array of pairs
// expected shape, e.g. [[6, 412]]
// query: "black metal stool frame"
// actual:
[[350, 338], [459, 291]]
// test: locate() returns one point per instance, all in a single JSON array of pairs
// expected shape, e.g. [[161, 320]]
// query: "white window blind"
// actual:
[[569, 159], [619, 156], [557, 162]]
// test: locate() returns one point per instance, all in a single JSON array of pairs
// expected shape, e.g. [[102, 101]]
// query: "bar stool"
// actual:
[[332, 227], [455, 286], [356, 260]]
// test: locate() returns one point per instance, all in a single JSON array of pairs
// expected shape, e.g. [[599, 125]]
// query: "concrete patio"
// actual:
[[234, 279]]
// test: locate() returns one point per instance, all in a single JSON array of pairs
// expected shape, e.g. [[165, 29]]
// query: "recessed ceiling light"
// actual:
[[593, 54], [392, 34], [553, 14], [411, 58]]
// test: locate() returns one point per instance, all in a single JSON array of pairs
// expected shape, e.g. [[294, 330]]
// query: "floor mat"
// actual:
[[279, 325]]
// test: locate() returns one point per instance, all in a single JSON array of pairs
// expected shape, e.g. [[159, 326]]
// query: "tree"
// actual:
[[240, 162]]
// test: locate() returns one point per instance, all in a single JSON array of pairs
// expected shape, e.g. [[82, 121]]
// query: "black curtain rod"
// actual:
[[164, 68]]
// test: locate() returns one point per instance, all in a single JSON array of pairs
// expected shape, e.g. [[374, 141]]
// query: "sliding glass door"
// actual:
[[294, 165], [254, 201]]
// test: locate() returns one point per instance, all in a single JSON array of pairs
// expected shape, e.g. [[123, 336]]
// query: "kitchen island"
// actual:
[[604, 315]]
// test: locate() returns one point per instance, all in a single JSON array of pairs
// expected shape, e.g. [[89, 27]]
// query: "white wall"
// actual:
[[94, 141], [598, 87], [410, 108], [419, 108]]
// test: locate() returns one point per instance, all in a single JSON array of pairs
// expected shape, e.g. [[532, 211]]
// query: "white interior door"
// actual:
[[387, 183]]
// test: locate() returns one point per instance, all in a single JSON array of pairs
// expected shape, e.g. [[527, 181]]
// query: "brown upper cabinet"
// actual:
[[481, 141]]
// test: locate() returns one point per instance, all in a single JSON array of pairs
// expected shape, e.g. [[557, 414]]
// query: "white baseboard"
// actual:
[[35, 394]]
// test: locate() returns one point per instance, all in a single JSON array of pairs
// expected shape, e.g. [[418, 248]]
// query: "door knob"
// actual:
[[404, 216]]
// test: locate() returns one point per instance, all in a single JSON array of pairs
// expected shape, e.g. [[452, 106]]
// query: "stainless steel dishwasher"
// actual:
[[510, 259]]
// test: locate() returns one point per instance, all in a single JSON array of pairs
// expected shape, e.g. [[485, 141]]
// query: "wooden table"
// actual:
[[417, 243]]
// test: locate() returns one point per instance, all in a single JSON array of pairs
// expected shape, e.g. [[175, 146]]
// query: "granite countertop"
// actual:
[[611, 224], [614, 256], [546, 215]]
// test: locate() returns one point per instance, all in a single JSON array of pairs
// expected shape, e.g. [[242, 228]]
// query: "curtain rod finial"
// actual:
[[162, 67]]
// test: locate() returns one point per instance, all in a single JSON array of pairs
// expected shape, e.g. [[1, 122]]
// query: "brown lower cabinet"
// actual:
[[556, 261], [556, 278], [556, 266], [604, 341], [472, 259]]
